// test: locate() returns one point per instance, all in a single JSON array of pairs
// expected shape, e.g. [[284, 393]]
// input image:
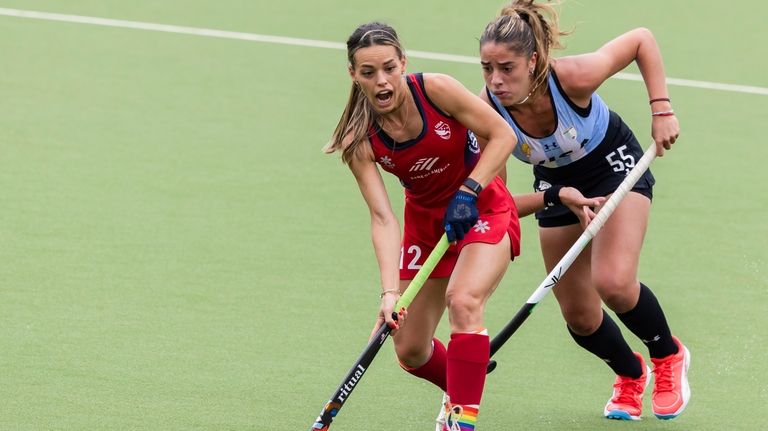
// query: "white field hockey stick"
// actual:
[[557, 272]]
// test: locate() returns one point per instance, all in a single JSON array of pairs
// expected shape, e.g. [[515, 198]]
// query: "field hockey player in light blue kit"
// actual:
[[571, 138]]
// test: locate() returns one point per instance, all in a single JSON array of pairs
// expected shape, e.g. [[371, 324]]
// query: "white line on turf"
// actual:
[[207, 32]]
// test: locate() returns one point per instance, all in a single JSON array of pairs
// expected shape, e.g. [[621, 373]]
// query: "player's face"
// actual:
[[379, 72], [506, 72]]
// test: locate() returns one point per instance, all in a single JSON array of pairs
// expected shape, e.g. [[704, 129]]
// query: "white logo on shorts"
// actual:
[[482, 226]]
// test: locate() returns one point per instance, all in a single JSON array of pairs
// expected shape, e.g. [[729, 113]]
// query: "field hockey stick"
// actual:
[[557, 272], [352, 379]]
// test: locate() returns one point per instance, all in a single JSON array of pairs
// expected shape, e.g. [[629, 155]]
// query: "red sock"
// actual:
[[434, 369], [468, 356]]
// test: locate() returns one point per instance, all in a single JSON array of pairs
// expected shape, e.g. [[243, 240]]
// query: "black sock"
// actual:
[[608, 344], [647, 321]]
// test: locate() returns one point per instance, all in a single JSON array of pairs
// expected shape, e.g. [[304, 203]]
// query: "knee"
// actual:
[[465, 311], [583, 322], [618, 291], [412, 355]]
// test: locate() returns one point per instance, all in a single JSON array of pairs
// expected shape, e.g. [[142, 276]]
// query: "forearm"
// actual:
[[493, 161], [651, 66], [385, 235], [529, 203]]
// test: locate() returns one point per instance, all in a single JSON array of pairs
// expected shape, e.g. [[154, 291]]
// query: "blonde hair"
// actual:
[[526, 27], [358, 114]]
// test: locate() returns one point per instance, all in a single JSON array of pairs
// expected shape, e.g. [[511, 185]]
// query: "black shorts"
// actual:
[[599, 173]]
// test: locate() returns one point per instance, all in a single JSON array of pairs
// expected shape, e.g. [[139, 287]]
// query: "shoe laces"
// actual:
[[627, 390], [665, 375]]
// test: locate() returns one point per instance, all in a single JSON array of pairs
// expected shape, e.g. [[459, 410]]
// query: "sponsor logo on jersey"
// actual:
[[443, 130], [422, 174], [386, 162], [543, 185], [424, 164], [550, 146]]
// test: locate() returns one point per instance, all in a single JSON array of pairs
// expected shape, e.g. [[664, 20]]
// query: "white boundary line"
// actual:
[[206, 32]]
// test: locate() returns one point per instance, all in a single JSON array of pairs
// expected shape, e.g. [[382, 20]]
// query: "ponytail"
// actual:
[[353, 125], [527, 28]]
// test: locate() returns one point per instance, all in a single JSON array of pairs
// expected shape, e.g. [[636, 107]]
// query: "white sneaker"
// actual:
[[440, 420]]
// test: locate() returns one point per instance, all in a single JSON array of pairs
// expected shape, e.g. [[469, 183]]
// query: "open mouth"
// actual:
[[384, 97]]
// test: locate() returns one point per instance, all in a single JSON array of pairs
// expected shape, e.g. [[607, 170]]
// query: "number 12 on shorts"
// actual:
[[414, 254]]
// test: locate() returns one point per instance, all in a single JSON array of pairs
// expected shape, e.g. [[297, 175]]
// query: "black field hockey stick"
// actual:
[[353, 377], [557, 272]]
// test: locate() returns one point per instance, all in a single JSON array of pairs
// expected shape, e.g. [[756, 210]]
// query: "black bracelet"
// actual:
[[552, 196], [473, 185]]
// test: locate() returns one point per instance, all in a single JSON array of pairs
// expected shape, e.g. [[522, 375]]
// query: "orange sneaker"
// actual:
[[626, 403], [670, 390]]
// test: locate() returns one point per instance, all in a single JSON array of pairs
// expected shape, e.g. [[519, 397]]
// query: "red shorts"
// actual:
[[424, 227]]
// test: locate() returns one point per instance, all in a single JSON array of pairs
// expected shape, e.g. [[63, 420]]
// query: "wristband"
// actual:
[[552, 196], [660, 99], [473, 185]]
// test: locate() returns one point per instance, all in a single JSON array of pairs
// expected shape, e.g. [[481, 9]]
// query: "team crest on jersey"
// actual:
[[386, 162], [526, 149], [443, 130], [570, 133]]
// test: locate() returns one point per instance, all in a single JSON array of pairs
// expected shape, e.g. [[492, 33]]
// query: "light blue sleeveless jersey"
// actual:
[[574, 138]]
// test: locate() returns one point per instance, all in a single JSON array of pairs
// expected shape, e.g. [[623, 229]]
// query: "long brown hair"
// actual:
[[359, 113], [526, 27]]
